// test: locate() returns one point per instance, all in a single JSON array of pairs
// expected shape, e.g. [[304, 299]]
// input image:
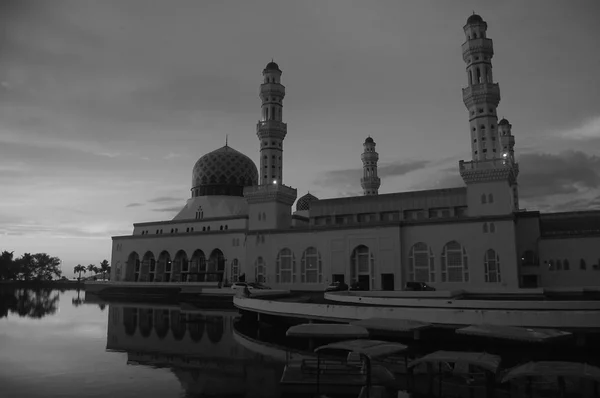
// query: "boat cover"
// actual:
[[554, 368], [391, 325], [371, 348], [481, 359], [513, 333], [327, 330]]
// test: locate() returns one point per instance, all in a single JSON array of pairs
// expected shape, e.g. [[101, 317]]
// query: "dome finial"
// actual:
[[226, 139]]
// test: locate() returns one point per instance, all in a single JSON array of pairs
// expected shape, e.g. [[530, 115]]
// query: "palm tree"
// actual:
[[93, 269], [79, 269], [104, 267]]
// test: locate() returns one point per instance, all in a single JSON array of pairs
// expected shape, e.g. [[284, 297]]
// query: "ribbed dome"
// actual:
[[304, 202], [503, 122], [224, 171], [474, 19], [272, 66]]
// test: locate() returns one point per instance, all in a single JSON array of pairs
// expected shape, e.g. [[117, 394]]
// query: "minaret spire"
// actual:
[[370, 182], [270, 128]]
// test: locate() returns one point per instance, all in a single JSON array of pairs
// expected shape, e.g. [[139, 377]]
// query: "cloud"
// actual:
[[134, 205], [164, 199], [589, 129], [349, 178], [569, 172], [171, 209]]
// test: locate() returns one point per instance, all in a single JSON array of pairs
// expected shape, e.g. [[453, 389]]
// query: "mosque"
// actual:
[[240, 221]]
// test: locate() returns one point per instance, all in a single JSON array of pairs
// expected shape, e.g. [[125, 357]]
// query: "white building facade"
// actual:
[[239, 220]]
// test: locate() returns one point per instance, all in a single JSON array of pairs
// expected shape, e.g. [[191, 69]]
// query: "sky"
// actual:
[[105, 106]]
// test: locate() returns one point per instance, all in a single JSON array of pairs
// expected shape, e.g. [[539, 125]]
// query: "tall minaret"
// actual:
[[270, 129], [482, 96], [370, 182], [491, 176]]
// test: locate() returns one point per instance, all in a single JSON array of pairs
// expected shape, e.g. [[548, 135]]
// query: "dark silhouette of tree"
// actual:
[[104, 267], [8, 268], [78, 270], [46, 267], [93, 269]]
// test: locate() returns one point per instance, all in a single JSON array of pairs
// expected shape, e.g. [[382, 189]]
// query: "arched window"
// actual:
[[492, 227], [235, 270], [566, 265], [132, 272], [558, 265], [362, 267], [455, 265], [286, 267], [485, 228], [421, 266], [483, 198], [551, 265], [311, 266], [490, 198], [492, 267], [582, 265], [259, 270]]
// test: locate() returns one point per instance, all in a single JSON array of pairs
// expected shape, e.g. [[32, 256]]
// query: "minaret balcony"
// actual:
[[272, 89], [271, 192], [489, 169], [370, 181], [479, 46], [481, 93], [271, 128]]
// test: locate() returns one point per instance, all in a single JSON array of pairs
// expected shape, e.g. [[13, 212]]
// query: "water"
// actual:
[[53, 344]]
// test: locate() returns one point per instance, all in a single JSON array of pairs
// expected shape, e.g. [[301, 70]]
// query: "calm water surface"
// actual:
[[53, 344]]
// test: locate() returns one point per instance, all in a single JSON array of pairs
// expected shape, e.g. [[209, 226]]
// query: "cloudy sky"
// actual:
[[106, 105]]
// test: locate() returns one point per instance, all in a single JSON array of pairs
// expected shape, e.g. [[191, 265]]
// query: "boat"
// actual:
[[553, 378], [333, 374], [456, 373]]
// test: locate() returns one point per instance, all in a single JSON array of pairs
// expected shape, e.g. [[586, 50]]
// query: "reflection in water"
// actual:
[[32, 303], [198, 347]]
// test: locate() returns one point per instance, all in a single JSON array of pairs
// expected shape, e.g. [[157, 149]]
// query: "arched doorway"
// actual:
[[164, 267], [148, 269], [133, 267], [197, 267], [216, 266], [362, 267], [180, 264]]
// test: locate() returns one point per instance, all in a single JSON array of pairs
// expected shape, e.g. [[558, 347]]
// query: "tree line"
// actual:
[[29, 267], [42, 267], [104, 268]]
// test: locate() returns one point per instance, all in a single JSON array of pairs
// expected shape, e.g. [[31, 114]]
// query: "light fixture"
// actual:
[[275, 182]]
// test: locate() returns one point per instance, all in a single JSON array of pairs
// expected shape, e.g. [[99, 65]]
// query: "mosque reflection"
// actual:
[[198, 346]]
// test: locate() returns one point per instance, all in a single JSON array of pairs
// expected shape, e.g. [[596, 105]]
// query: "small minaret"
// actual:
[[370, 182], [270, 128], [507, 144]]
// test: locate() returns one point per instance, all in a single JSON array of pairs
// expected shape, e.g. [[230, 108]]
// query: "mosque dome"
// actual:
[[369, 140], [224, 171], [304, 202], [272, 66], [474, 19], [503, 122]]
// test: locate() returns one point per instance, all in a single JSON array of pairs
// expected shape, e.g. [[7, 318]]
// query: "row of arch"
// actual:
[[198, 268], [147, 321], [362, 266], [454, 264]]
